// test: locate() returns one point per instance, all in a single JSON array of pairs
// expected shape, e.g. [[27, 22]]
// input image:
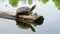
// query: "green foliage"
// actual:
[[13, 2], [44, 1], [24, 1], [29, 1], [57, 3]]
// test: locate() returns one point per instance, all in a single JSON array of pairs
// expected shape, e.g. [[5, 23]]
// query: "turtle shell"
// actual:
[[23, 9]]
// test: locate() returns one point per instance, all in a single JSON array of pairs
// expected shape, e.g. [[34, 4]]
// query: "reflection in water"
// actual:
[[44, 1], [30, 1], [27, 21], [57, 3], [51, 23], [14, 3]]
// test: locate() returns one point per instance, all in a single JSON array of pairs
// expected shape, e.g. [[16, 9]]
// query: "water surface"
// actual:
[[51, 23]]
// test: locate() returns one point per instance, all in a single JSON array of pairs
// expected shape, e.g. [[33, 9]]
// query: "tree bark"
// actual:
[[7, 15]]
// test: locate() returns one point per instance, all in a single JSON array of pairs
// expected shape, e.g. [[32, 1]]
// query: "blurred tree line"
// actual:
[[15, 2]]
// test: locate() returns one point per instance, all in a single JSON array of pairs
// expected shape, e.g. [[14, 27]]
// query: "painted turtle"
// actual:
[[23, 23], [24, 11]]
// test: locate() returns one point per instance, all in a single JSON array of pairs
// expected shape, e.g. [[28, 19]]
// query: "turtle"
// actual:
[[24, 11], [23, 22]]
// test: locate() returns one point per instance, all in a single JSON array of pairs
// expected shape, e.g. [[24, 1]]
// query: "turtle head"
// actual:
[[25, 10], [33, 7]]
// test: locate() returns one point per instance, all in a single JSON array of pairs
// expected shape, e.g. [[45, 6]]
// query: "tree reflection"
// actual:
[[44, 1], [15, 2], [57, 3]]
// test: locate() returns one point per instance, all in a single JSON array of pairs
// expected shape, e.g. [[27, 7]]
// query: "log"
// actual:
[[26, 18], [7, 15], [24, 21]]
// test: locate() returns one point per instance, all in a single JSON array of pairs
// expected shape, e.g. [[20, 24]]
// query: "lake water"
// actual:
[[51, 24]]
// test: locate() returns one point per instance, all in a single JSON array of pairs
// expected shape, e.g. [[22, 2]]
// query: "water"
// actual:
[[51, 23]]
